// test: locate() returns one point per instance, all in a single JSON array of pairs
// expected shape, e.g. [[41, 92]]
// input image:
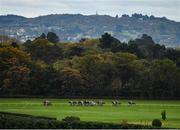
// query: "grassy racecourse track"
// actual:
[[143, 112]]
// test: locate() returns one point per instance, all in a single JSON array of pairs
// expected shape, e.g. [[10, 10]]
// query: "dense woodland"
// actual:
[[103, 67]]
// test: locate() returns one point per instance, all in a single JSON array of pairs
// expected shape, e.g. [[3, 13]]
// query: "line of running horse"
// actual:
[[97, 103], [89, 103]]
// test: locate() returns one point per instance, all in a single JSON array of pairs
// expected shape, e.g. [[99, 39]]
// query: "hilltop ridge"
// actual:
[[72, 27]]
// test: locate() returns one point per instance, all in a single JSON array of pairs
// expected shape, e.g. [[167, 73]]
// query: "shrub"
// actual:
[[71, 119], [156, 123], [124, 123], [20, 121], [163, 114], [25, 115]]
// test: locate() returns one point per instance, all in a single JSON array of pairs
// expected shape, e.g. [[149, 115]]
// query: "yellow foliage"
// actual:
[[7, 82], [42, 42], [70, 72], [12, 55]]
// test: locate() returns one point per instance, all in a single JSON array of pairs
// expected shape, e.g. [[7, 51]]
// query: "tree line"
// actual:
[[104, 67]]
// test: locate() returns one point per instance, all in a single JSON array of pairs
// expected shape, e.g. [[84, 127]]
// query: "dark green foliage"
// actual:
[[163, 114], [147, 39], [146, 48], [16, 121], [52, 37], [83, 40], [43, 36], [71, 119], [19, 121], [143, 47], [174, 55], [75, 51], [107, 40], [42, 49], [25, 115], [102, 67], [156, 123], [14, 44]]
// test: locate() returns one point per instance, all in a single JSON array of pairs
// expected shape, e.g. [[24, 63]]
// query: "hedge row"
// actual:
[[25, 115], [21, 121]]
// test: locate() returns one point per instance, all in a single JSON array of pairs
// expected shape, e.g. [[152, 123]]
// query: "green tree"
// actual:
[[71, 82], [14, 44], [164, 78], [75, 51], [106, 41], [16, 80], [163, 114], [52, 37], [43, 36], [14, 70], [42, 49]]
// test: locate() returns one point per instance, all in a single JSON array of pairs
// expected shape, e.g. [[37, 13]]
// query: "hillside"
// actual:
[[74, 27]]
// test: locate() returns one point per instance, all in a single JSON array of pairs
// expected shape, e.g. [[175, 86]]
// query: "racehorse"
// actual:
[[47, 103], [115, 103], [73, 103], [100, 103], [131, 102]]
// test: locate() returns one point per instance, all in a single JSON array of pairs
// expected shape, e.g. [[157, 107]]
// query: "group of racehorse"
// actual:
[[89, 103], [97, 103]]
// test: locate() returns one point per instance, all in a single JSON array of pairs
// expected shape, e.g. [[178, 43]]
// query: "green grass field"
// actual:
[[143, 113]]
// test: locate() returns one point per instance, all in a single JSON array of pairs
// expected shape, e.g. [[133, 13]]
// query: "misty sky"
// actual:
[[33, 8]]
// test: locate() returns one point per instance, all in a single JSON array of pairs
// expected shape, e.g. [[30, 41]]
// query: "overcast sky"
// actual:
[[33, 8]]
